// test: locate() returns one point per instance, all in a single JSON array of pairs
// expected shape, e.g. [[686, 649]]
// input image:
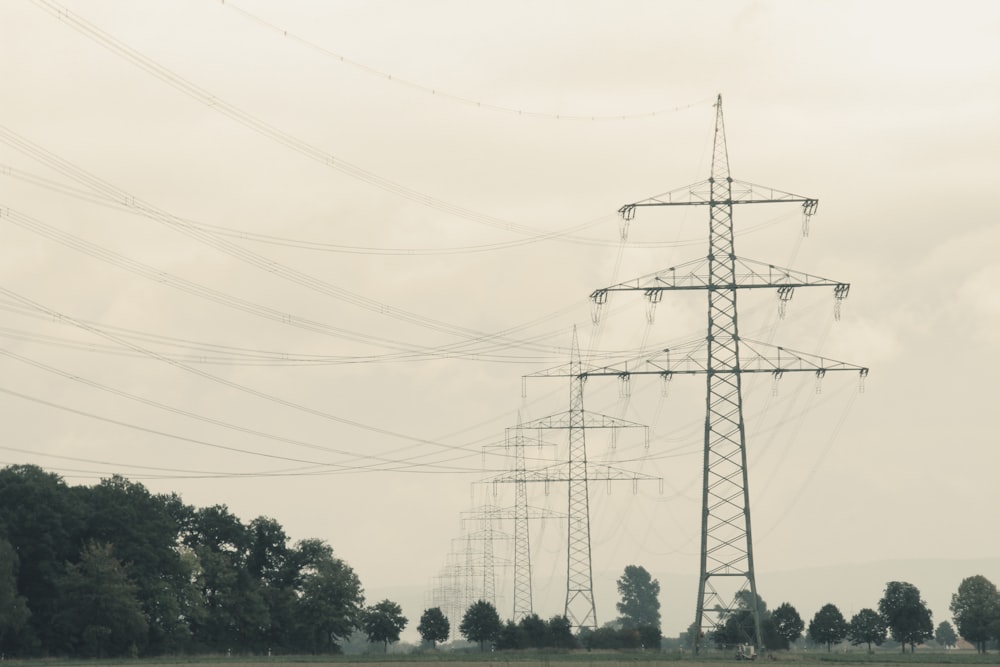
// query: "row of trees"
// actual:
[[113, 570], [901, 614], [904, 616], [637, 627]]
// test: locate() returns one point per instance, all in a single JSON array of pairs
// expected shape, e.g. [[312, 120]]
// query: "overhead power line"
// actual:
[[453, 97], [248, 120]]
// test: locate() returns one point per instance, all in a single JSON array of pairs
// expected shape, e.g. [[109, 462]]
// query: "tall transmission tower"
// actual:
[[727, 564]]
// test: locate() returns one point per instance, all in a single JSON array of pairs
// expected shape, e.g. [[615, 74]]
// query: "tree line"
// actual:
[[114, 570], [901, 615], [638, 626]]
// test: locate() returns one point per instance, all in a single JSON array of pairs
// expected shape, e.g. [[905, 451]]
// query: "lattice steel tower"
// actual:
[[727, 565], [577, 473]]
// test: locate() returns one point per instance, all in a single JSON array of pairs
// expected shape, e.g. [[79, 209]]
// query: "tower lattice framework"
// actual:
[[726, 559], [580, 607]]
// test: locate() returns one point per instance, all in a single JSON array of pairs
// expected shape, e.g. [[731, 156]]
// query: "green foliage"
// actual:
[[738, 624], [382, 622], [828, 626], [434, 626], [561, 633], [867, 627], [481, 623], [945, 635], [510, 637], [906, 615], [142, 531], [14, 612], [113, 570], [331, 600], [788, 625], [640, 604], [976, 609], [532, 632], [609, 638], [100, 614], [42, 522], [535, 631]]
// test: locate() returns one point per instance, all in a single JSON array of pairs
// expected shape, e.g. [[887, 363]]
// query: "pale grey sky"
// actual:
[[403, 207]]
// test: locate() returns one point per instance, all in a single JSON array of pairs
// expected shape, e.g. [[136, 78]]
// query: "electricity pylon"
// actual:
[[522, 513], [727, 565], [580, 608]]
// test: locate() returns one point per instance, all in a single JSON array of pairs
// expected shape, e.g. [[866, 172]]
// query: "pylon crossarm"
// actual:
[[695, 275], [590, 420], [700, 194], [761, 357], [551, 473], [755, 357], [602, 474]]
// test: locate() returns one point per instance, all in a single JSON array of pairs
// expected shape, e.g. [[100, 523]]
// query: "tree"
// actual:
[[14, 612], [945, 635], [640, 604], [787, 623], [142, 531], [331, 600], [100, 613], [481, 623], [383, 622], [534, 631], [510, 638], [434, 626], [976, 608], [828, 626], [561, 632], [738, 624], [867, 627], [905, 614], [42, 523]]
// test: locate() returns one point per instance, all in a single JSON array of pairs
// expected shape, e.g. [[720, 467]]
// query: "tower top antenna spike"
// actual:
[[720, 154]]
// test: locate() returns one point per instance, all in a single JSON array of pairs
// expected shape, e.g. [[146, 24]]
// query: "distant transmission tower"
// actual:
[[727, 566], [580, 608], [521, 513]]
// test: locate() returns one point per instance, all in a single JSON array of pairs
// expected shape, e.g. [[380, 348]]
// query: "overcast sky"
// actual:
[[295, 258]]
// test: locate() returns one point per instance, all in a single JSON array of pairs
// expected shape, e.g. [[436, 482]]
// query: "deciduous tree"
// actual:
[[382, 622], [331, 598], [945, 635], [561, 631], [828, 626], [738, 625], [906, 614], [787, 623], [481, 623], [100, 613], [976, 608], [640, 602], [14, 610], [867, 627], [42, 523], [434, 626]]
